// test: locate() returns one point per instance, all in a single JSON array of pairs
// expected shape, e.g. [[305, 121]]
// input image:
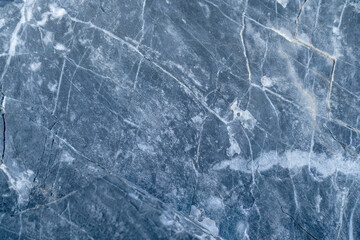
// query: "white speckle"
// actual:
[[266, 81], [145, 148], [197, 119], [35, 66], [48, 38], [92, 169], [335, 30], [133, 195], [188, 147], [245, 117], [214, 203], [2, 22], [72, 116], [318, 200], [60, 47], [217, 110], [52, 87], [236, 110], [57, 12], [234, 164], [283, 3], [67, 158]]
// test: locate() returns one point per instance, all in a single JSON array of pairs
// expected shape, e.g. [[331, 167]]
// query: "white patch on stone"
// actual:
[[44, 19], [304, 37], [210, 225], [2, 22], [245, 117], [165, 220], [188, 147], [214, 203], [60, 47], [335, 30], [145, 148], [241, 229], [133, 195], [234, 146], [56, 11], [266, 81], [67, 158], [206, 222], [20, 182], [35, 66], [294, 160], [52, 87], [48, 38], [206, 9], [283, 3], [197, 119], [195, 212], [318, 200]]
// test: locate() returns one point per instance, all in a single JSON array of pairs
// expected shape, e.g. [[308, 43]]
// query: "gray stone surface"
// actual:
[[180, 119]]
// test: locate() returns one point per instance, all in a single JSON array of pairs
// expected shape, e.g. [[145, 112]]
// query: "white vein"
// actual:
[[59, 86], [134, 49], [137, 73], [342, 13], [143, 23], [243, 43], [14, 40]]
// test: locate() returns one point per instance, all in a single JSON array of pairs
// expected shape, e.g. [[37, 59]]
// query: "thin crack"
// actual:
[[330, 88], [297, 223], [186, 88], [298, 18]]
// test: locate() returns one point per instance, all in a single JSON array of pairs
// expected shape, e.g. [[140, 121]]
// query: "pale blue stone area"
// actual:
[[180, 119]]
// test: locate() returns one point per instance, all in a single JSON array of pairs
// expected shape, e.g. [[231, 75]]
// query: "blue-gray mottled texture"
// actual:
[[180, 119]]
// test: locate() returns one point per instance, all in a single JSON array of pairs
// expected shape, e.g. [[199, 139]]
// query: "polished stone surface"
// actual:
[[180, 119]]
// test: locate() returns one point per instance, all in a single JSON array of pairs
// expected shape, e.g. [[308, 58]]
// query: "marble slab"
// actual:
[[180, 119]]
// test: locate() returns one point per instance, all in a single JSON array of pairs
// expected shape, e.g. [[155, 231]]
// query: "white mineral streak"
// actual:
[[294, 160]]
